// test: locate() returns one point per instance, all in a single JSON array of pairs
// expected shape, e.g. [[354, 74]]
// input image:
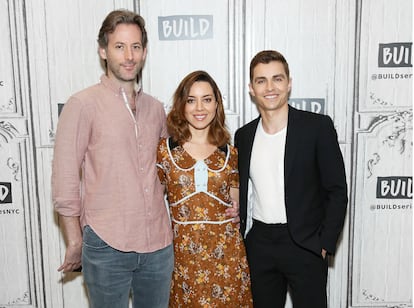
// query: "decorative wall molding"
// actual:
[[7, 132], [24, 299], [8, 107], [21, 270], [15, 167], [380, 223]]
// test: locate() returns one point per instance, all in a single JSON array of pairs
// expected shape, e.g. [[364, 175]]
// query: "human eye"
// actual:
[[279, 78], [208, 100], [137, 47], [119, 46], [190, 100]]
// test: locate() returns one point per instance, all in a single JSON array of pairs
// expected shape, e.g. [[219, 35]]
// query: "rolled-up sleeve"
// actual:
[[71, 143]]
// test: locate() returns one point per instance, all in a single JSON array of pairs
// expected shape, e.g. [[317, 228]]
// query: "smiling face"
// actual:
[[125, 54], [270, 86], [200, 107]]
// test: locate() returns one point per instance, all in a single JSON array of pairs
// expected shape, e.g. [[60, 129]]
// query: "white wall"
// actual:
[[352, 58]]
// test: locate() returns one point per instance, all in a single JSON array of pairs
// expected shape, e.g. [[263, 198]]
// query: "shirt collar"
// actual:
[[115, 87]]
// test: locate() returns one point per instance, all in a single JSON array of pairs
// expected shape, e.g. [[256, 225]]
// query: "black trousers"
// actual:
[[276, 263]]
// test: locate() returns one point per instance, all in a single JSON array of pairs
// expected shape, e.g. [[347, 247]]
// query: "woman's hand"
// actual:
[[233, 212]]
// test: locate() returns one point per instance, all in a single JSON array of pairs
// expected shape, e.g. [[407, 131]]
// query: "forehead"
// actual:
[[269, 69], [201, 88], [126, 33]]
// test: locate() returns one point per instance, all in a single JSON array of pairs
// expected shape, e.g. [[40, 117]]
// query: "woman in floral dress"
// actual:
[[199, 169]]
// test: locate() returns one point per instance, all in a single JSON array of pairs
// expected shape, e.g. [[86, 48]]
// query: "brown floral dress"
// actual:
[[210, 267]]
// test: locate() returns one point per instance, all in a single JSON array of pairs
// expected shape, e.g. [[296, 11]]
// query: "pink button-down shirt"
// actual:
[[104, 168]]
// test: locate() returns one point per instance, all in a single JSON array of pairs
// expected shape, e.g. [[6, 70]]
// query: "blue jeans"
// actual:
[[110, 275]]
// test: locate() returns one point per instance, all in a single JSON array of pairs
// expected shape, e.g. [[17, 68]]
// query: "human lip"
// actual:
[[129, 66], [200, 117], [271, 96]]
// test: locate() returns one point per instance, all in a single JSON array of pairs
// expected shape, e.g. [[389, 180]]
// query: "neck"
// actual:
[[198, 146], [128, 86], [275, 120], [199, 136], [129, 91]]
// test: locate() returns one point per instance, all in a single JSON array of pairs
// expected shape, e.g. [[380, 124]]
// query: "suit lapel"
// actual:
[[248, 140], [293, 138]]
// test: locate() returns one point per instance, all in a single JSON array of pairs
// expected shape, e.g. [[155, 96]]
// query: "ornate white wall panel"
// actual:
[[381, 258], [382, 242], [385, 64], [19, 270], [20, 261]]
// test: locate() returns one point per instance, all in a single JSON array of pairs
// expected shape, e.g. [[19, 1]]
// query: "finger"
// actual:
[[69, 267]]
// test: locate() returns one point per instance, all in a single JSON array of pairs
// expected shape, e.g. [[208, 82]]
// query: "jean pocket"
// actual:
[[92, 240]]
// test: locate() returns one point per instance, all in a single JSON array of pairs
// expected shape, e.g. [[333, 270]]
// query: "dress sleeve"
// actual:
[[234, 171], [161, 150]]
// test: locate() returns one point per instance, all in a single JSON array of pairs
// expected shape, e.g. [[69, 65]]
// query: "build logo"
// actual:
[[395, 55], [185, 27], [395, 187], [5, 193], [315, 105]]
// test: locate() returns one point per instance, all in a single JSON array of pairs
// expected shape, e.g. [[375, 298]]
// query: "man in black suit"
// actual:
[[293, 191]]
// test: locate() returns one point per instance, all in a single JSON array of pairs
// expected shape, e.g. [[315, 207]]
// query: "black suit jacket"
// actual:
[[315, 182]]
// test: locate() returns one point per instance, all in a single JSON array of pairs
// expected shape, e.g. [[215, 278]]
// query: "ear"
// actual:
[[102, 53], [144, 56], [251, 91], [290, 84]]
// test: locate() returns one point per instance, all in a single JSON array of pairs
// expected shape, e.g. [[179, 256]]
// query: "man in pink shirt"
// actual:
[[105, 187]]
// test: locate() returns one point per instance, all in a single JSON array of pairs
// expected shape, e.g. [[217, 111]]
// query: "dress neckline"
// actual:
[[207, 158]]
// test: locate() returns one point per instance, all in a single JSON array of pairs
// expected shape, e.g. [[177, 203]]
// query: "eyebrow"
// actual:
[[207, 95], [124, 43], [274, 76]]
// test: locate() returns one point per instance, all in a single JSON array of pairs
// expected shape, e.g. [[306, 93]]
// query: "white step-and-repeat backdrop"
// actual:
[[350, 59]]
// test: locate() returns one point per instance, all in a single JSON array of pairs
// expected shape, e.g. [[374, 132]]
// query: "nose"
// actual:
[[199, 105], [269, 85], [128, 53]]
